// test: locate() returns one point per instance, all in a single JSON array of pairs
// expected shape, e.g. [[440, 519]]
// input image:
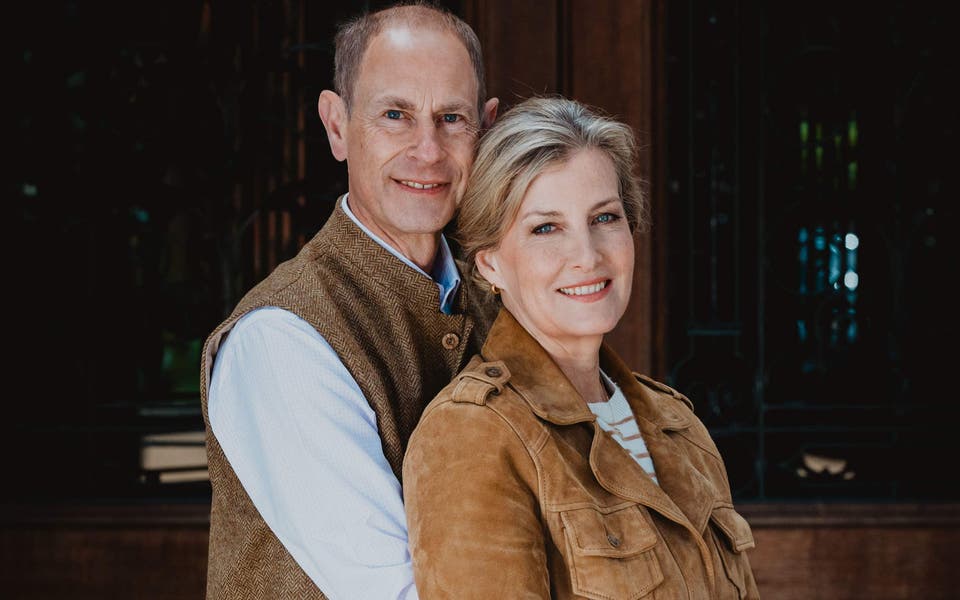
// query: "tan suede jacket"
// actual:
[[513, 491]]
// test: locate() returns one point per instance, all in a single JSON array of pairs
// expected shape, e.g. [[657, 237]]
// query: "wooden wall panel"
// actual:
[[856, 563], [826, 552], [895, 551], [96, 553], [606, 54], [520, 44], [612, 56], [113, 563]]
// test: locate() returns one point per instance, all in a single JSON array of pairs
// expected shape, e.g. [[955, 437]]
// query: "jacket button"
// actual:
[[493, 372], [614, 540], [451, 341]]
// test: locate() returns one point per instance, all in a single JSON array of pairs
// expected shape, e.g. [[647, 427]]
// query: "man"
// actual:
[[331, 359]]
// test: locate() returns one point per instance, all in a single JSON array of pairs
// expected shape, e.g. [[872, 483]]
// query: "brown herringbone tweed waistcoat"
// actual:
[[383, 319]]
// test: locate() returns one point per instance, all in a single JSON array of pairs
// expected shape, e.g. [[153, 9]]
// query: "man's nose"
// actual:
[[427, 144]]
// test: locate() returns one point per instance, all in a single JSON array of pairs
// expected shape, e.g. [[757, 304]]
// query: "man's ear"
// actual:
[[489, 112], [333, 113], [488, 265]]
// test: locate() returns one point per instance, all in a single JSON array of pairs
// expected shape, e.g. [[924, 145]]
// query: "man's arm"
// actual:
[[303, 441]]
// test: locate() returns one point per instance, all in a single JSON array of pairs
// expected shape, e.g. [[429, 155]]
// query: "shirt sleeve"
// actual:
[[303, 441]]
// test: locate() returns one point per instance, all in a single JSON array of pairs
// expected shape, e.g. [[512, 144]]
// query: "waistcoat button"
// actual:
[[493, 372], [614, 540], [451, 341]]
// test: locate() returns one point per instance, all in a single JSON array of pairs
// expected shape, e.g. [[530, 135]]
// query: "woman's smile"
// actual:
[[587, 292], [565, 264]]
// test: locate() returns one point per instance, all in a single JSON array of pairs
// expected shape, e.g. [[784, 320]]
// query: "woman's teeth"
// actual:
[[583, 290]]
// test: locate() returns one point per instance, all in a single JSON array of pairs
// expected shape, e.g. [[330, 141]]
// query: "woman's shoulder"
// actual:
[[476, 383], [480, 388], [663, 389], [675, 412]]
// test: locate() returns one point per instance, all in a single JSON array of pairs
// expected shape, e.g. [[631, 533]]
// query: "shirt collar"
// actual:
[[446, 276], [445, 273]]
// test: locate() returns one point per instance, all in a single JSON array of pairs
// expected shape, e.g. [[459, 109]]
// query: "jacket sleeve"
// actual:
[[472, 510]]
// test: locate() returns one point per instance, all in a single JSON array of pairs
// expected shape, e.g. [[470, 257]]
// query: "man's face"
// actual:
[[410, 135]]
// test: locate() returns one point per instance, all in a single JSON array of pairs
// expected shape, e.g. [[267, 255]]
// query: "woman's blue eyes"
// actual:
[[545, 228], [607, 218], [602, 219]]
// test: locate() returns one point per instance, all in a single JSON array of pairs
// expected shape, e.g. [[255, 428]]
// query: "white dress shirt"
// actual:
[[310, 457]]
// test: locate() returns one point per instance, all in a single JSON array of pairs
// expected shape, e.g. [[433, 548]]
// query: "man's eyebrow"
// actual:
[[455, 107], [394, 102], [401, 103]]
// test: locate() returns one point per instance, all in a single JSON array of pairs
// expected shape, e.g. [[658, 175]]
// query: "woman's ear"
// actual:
[[488, 265], [333, 113]]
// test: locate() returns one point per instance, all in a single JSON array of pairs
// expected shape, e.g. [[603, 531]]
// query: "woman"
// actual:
[[547, 469]]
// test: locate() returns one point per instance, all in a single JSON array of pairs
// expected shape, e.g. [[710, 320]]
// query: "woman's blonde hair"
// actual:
[[534, 135]]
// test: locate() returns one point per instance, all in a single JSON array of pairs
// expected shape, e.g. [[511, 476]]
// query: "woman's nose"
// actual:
[[585, 251]]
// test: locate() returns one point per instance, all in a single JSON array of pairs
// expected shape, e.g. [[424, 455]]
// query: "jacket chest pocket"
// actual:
[[732, 536], [611, 554]]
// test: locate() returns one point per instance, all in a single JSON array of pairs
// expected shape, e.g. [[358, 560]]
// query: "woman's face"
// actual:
[[565, 265]]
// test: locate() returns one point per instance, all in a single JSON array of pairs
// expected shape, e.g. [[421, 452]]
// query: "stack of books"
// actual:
[[175, 457]]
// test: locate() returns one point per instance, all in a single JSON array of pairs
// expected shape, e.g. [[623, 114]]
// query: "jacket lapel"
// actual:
[[661, 420], [538, 379], [533, 374], [620, 474]]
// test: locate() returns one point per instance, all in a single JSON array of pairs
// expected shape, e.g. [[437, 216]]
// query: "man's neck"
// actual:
[[420, 249]]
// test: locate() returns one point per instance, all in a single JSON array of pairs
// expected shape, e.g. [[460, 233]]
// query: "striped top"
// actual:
[[615, 417]]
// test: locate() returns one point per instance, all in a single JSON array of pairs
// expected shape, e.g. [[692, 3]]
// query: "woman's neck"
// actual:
[[583, 371], [577, 356]]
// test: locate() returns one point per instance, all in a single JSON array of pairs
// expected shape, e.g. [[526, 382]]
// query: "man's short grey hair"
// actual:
[[354, 37], [534, 135]]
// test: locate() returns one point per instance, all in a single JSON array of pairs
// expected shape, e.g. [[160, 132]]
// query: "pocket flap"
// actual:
[[620, 533], [735, 528]]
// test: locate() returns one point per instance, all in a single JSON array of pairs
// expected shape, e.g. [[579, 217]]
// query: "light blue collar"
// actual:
[[445, 273]]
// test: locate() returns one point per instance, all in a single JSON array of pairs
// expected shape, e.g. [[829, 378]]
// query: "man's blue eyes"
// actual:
[[447, 118]]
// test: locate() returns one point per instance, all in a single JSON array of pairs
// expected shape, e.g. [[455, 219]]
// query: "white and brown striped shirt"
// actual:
[[615, 417]]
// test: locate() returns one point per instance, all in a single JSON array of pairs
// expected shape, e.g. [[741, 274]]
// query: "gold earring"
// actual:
[[494, 289]]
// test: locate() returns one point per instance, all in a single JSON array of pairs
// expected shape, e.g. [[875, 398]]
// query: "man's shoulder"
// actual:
[[484, 384], [482, 305], [270, 321], [306, 272]]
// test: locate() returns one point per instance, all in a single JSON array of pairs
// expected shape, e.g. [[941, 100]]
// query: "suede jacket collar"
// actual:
[[684, 493], [551, 396]]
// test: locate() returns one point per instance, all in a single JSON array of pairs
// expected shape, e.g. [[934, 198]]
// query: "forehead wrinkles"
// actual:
[[417, 66]]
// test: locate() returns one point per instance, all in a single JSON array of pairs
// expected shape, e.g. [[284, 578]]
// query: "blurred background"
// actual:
[[796, 283]]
